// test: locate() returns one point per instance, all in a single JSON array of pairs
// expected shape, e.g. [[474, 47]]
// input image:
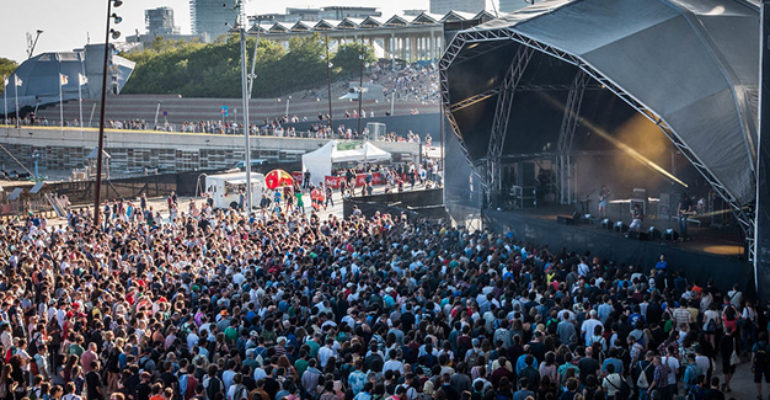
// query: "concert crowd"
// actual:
[[280, 305]]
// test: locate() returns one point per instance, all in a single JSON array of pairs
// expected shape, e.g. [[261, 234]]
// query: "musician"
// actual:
[[684, 210], [604, 199], [636, 218]]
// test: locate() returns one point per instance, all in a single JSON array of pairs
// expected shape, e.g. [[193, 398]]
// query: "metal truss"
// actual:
[[503, 107], [567, 134], [745, 220], [476, 98]]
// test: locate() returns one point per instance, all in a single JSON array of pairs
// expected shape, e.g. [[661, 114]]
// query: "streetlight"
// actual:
[[329, 66], [100, 148], [288, 101], [361, 85]]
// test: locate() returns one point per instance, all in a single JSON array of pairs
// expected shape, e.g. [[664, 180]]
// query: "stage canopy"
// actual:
[[690, 66], [319, 162]]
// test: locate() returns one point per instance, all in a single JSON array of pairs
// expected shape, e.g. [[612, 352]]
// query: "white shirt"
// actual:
[[588, 329], [324, 354], [673, 366], [393, 365]]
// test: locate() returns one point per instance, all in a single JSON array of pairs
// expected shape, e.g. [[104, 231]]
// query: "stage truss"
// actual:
[[476, 37]]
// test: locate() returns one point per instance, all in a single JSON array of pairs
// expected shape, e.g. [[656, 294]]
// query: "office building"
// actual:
[[160, 22], [212, 17]]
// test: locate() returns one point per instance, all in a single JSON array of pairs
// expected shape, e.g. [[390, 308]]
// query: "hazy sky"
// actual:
[[66, 24]]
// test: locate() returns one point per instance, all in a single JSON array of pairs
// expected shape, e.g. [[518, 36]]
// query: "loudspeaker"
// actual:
[[607, 224], [671, 234], [620, 227], [653, 233]]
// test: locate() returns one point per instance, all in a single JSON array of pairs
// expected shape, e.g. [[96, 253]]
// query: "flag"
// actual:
[[82, 79], [16, 80], [63, 79]]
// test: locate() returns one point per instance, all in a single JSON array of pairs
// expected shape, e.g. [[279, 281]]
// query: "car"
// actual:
[[254, 163]]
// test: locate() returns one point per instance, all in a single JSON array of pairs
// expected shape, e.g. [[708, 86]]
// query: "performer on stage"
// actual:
[[636, 218], [604, 199], [684, 210]]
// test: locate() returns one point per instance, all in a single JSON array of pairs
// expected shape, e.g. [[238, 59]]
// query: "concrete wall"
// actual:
[[65, 149]]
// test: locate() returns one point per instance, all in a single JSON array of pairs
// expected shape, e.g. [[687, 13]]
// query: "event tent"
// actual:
[[319, 162]]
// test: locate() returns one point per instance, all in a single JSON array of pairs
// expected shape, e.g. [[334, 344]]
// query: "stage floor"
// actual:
[[713, 253], [725, 241]]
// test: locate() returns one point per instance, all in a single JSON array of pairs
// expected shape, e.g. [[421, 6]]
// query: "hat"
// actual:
[[253, 334], [280, 339]]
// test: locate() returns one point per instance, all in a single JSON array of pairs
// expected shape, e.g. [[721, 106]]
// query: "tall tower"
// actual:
[[212, 17]]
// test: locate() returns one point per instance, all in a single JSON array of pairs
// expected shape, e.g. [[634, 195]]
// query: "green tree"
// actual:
[[347, 59], [195, 69], [7, 66]]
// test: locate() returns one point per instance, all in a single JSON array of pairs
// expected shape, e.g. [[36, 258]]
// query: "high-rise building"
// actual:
[[507, 6], [160, 22], [444, 6], [212, 17]]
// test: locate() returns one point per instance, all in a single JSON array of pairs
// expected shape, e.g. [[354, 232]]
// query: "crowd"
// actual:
[[413, 82], [279, 305]]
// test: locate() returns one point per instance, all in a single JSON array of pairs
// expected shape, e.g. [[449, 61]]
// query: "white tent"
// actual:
[[319, 162]]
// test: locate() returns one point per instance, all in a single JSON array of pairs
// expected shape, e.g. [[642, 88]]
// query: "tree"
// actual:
[[195, 69], [7, 66], [347, 60]]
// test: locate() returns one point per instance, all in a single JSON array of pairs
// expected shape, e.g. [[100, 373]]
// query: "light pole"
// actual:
[[288, 101], [361, 85], [100, 148], [245, 94], [329, 86]]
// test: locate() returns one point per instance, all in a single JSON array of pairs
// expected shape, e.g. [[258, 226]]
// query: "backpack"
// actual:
[[761, 357], [215, 386], [641, 381]]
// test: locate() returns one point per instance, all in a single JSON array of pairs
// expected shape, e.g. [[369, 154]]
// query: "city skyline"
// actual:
[[87, 20]]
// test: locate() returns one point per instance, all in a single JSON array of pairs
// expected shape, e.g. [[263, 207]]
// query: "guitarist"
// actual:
[[684, 211]]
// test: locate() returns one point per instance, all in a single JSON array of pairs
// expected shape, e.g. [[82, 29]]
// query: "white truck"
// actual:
[[225, 189]]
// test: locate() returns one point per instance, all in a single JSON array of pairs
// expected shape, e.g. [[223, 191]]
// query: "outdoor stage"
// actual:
[[716, 254]]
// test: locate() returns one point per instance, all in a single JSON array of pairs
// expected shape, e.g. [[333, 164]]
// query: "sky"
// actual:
[[67, 24]]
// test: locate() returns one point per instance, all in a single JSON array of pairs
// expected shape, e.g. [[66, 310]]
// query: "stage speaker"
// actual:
[[607, 224], [620, 227], [671, 234], [653, 233], [565, 219]]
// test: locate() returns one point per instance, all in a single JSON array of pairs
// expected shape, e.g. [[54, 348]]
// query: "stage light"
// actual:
[[117, 3], [671, 234], [115, 34], [607, 224], [622, 146], [620, 227], [653, 233]]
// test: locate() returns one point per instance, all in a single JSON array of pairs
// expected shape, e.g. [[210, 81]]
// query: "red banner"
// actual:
[[333, 181], [297, 175], [377, 179]]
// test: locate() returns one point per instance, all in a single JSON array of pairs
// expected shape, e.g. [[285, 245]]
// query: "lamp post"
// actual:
[[288, 101], [100, 148], [361, 85], [329, 86], [245, 94]]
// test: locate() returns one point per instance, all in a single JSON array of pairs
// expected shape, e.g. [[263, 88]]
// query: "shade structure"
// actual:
[[690, 66], [278, 178], [319, 162]]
